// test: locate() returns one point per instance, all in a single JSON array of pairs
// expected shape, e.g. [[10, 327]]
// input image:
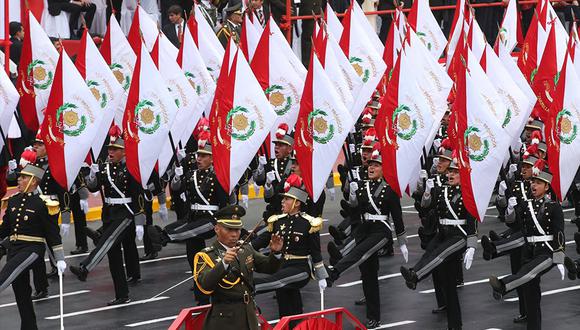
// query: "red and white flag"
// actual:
[[145, 28], [102, 83], [482, 142], [533, 46], [332, 22], [73, 117], [365, 60], [510, 33], [35, 73], [8, 105], [369, 31], [322, 127], [206, 34], [183, 94], [545, 78], [240, 121], [249, 38], [509, 63], [278, 78], [149, 115], [209, 47], [562, 129], [287, 51], [427, 28], [121, 58], [403, 124], [456, 26]]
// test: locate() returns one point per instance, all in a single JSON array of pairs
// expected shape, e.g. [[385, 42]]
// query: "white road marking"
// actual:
[[551, 292], [74, 293], [138, 324], [83, 254], [100, 309], [465, 284], [384, 277], [162, 259], [396, 324]]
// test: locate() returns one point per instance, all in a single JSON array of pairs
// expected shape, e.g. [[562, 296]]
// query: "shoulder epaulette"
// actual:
[[5, 201], [208, 249], [273, 219], [315, 222], [52, 205]]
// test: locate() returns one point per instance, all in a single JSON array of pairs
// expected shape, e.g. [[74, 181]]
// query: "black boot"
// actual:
[[119, 301], [94, 235], [53, 273], [488, 247], [149, 256], [337, 234], [410, 277], [80, 271], [39, 295], [498, 287], [334, 253], [79, 250], [571, 268], [333, 275]]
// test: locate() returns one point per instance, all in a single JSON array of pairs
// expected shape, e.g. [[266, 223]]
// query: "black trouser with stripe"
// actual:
[[21, 257], [148, 209], [115, 232], [80, 220], [442, 246], [292, 276], [448, 276], [370, 237], [199, 226], [369, 271]]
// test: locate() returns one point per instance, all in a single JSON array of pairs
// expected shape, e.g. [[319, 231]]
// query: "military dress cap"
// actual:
[[540, 171], [294, 188], [203, 145], [38, 138], [530, 160], [535, 124], [33, 171], [116, 138], [231, 216], [369, 138], [454, 165], [376, 155], [543, 146], [234, 7], [446, 154], [283, 135]]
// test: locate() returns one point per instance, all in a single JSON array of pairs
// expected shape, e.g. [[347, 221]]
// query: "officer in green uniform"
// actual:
[[225, 272], [232, 25]]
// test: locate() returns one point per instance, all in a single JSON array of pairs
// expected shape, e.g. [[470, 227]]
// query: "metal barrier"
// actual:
[[193, 318]]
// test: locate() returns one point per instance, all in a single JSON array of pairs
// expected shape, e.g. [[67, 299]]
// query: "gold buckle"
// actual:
[[246, 298]]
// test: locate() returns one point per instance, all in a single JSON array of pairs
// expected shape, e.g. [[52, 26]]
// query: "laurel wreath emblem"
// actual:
[[395, 118], [507, 119], [356, 64], [190, 76], [104, 99], [230, 127], [570, 137], [421, 35], [74, 132], [330, 130], [142, 128], [286, 106], [126, 80], [472, 156], [48, 76]]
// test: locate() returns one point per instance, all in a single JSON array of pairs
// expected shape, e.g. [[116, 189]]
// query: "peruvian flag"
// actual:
[[239, 122], [149, 115], [393, 46], [363, 22], [278, 78], [365, 60], [322, 126], [185, 97], [103, 85], [211, 50], [403, 124], [143, 27], [35, 73], [575, 51], [287, 51], [332, 22], [196, 72], [533, 46], [8, 105], [120, 57], [562, 128], [249, 38], [456, 27], [545, 79], [510, 33], [427, 28], [73, 117], [482, 142], [509, 63]]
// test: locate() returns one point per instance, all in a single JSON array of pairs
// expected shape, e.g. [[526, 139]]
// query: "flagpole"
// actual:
[[95, 161], [174, 149]]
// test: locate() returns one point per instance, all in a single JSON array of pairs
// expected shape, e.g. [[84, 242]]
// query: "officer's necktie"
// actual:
[[179, 33]]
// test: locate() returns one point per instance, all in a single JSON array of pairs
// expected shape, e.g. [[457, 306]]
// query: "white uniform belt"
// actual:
[[538, 239], [452, 222], [375, 217], [117, 201], [201, 207]]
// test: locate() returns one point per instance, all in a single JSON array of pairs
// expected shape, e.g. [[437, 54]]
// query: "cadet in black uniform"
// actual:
[[123, 219], [301, 251], [457, 233], [375, 201], [543, 228], [29, 223]]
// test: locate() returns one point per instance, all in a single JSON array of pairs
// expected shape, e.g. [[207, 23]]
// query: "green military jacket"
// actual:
[[233, 306]]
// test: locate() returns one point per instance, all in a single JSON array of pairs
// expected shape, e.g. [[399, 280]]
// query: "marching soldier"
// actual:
[[301, 250], [375, 201], [543, 228], [457, 233], [29, 222], [122, 217], [233, 24], [225, 272]]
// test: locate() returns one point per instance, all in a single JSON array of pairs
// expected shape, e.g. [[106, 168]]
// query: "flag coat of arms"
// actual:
[[510, 33], [427, 28], [121, 58], [35, 73], [103, 85], [149, 115], [73, 117], [9, 96], [240, 120], [562, 129], [323, 124]]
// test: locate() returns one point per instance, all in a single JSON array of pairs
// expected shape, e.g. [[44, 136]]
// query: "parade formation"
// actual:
[[453, 120]]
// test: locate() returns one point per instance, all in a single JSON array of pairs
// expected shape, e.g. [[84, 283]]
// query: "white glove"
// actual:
[[181, 154], [561, 269], [12, 165], [468, 257], [437, 143], [64, 229], [245, 201], [94, 170], [270, 177], [405, 252], [435, 161], [353, 187], [513, 169], [61, 266], [332, 192], [512, 202], [423, 174], [262, 160], [163, 212], [178, 171], [430, 184], [139, 230], [578, 186], [502, 188], [85, 205], [322, 284]]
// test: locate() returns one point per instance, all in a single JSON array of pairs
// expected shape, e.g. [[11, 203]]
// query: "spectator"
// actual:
[[114, 6], [16, 38], [174, 30], [186, 6], [74, 8], [260, 11]]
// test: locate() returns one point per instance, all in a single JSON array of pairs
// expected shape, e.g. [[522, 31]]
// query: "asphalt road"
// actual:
[[85, 302]]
